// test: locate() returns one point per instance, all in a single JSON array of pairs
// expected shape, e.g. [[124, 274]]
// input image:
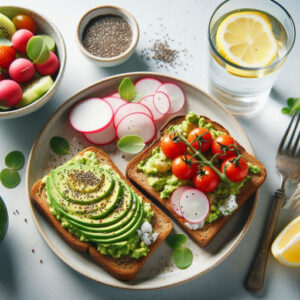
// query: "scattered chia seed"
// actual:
[[25, 220], [32, 250], [107, 36], [41, 261]]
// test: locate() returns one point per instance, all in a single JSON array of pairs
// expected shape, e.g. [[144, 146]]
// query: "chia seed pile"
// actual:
[[107, 36]]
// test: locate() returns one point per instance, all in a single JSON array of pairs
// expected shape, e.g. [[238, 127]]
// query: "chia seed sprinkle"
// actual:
[[107, 36]]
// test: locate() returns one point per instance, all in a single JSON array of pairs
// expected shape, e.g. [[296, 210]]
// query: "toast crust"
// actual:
[[124, 268], [201, 236]]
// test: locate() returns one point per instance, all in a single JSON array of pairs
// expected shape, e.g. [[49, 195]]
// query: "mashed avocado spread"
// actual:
[[97, 206]]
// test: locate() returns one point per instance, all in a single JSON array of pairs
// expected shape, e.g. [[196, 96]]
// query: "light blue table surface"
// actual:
[[21, 274]]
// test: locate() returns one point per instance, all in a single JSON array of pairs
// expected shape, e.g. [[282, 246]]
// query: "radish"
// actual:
[[115, 102], [148, 101], [103, 137], [91, 115], [162, 102], [175, 94], [137, 124], [130, 108], [175, 198], [10, 93], [50, 66], [21, 70], [147, 86], [20, 40], [116, 95], [194, 205]]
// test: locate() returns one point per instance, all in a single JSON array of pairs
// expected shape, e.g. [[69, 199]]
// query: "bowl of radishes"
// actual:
[[32, 61]]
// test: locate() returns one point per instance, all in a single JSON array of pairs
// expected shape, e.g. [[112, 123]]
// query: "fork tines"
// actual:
[[290, 141]]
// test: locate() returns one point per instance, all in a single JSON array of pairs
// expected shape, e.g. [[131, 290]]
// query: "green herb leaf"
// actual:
[[59, 145], [37, 50], [15, 160], [132, 144], [48, 40], [183, 257], [5, 42], [10, 178], [127, 89], [176, 240], [293, 106]]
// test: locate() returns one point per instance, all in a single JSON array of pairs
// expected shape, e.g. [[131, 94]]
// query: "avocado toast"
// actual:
[[161, 190], [106, 221]]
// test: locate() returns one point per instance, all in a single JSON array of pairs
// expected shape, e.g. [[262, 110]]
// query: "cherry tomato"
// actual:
[[207, 181], [170, 148], [182, 170], [24, 22], [236, 168], [206, 138], [7, 55], [225, 145]]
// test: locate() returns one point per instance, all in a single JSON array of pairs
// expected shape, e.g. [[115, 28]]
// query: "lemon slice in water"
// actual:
[[246, 39], [286, 247]]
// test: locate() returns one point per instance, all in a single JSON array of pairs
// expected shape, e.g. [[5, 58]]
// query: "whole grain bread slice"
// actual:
[[201, 236], [124, 268]]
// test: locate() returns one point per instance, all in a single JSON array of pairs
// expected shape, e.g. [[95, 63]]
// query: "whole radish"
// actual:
[[20, 39], [49, 67], [21, 70], [10, 93]]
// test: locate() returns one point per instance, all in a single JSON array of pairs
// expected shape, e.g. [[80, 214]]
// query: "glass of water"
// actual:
[[249, 41]]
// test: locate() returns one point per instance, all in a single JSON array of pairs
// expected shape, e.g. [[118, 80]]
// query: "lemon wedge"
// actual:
[[286, 246], [246, 39]]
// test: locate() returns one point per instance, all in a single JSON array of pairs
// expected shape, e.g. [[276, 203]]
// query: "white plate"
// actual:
[[159, 270]]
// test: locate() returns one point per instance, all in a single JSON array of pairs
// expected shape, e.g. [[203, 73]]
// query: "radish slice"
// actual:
[[162, 102], [175, 94], [117, 95], [130, 108], [194, 205], [137, 124], [91, 115], [115, 102], [102, 137], [148, 101], [175, 198], [147, 86]]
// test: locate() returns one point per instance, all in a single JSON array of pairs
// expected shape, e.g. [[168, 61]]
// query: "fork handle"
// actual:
[[255, 279]]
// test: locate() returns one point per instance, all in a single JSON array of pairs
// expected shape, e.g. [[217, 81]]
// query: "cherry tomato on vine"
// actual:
[[206, 138], [207, 181], [24, 22], [225, 145], [183, 170], [236, 168], [172, 148]]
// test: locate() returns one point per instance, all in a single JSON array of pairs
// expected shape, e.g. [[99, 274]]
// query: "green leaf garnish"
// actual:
[[132, 144], [5, 42], [59, 145], [37, 50], [10, 178], [15, 160], [293, 106], [48, 40], [127, 89], [183, 257], [176, 240]]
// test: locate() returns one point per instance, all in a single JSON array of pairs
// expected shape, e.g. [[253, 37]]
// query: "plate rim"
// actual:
[[120, 284]]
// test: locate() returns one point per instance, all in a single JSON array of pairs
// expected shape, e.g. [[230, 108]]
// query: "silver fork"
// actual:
[[288, 166]]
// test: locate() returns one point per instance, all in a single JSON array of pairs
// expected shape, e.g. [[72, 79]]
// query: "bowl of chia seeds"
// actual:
[[107, 35]]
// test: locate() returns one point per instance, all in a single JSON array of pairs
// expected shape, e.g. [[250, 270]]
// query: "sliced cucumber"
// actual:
[[7, 27], [49, 41], [35, 90]]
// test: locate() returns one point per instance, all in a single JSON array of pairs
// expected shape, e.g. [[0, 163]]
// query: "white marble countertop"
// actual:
[[21, 274]]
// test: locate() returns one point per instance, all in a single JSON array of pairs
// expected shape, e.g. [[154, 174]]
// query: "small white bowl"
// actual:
[[45, 26], [108, 10]]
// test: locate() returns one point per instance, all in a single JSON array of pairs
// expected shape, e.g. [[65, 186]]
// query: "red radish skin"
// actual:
[[147, 86], [115, 102], [92, 113], [103, 137], [50, 66], [20, 40], [183, 195], [175, 94], [129, 108], [130, 118], [21, 70], [148, 101], [10, 93], [161, 96]]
